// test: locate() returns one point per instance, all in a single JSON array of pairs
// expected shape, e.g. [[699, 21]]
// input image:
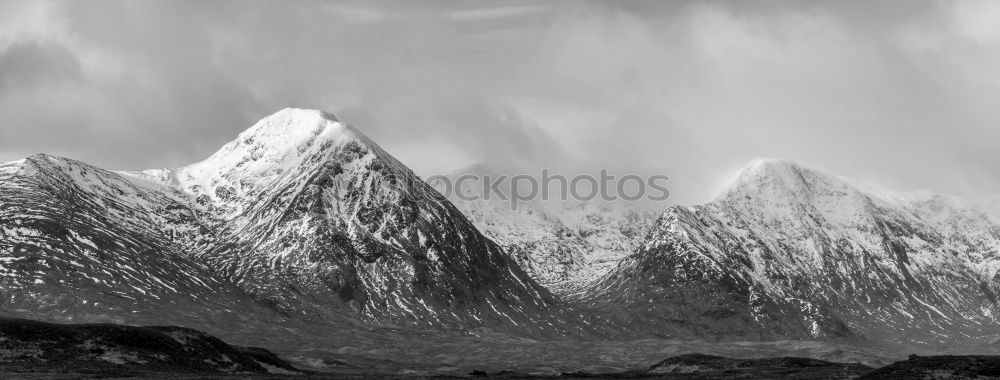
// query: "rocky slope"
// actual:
[[790, 252]]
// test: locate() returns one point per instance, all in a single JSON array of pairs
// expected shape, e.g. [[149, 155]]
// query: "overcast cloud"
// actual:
[[904, 93]]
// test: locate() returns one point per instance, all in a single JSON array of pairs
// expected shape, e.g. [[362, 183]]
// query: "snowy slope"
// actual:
[[564, 245], [788, 251]]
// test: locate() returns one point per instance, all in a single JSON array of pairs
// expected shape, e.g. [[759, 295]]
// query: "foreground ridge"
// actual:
[[117, 350]]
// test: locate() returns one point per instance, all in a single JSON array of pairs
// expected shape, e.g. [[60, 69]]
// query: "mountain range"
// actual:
[[304, 218]]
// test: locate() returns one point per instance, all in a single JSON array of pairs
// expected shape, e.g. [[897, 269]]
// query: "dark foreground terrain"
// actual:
[[697, 366], [31, 349], [28, 347], [940, 367]]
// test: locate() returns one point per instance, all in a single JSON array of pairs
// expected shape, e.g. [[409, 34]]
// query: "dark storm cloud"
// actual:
[[897, 91], [138, 89]]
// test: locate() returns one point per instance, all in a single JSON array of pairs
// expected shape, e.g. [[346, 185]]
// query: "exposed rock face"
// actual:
[[789, 252]]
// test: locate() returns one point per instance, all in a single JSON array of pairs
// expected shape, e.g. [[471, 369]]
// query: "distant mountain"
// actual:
[[791, 252], [564, 245]]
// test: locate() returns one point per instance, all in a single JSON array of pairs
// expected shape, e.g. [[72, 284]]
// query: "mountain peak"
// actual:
[[767, 166], [784, 187], [279, 142], [48, 160], [304, 114], [293, 126], [762, 173], [30, 165]]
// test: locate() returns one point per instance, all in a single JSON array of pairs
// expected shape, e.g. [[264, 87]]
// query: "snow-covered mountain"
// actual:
[[304, 217], [790, 252], [564, 245], [310, 205], [303, 213]]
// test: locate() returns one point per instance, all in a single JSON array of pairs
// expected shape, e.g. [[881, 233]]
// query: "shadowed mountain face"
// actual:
[[788, 252]]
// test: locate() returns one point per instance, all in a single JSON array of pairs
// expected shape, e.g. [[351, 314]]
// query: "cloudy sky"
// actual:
[[905, 93]]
